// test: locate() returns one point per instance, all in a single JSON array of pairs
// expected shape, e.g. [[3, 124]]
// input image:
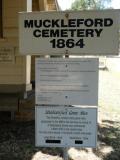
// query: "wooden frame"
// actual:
[[43, 5], [1, 23]]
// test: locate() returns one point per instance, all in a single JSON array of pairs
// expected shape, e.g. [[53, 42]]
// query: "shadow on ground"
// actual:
[[108, 144], [17, 141], [109, 135]]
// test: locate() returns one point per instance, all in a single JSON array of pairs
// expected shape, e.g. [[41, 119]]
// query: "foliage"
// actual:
[[90, 4]]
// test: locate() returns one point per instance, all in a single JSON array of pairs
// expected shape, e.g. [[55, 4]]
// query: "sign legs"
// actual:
[[65, 153]]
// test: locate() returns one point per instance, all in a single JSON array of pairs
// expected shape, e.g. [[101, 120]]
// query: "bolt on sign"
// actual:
[[66, 126], [66, 81], [81, 32], [7, 55]]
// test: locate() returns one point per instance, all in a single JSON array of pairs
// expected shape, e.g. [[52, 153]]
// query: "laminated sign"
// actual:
[[67, 81], [7, 55], [66, 126], [82, 32]]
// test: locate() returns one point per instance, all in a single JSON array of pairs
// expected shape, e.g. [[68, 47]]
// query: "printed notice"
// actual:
[[66, 126], [6, 54], [67, 81]]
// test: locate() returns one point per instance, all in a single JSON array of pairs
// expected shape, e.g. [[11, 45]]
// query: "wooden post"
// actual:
[[65, 153], [42, 5]]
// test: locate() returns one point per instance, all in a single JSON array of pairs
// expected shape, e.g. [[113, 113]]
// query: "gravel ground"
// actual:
[[17, 138], [109, 89]]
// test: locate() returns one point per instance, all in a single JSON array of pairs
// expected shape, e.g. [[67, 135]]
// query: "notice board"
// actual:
[[67, 81]]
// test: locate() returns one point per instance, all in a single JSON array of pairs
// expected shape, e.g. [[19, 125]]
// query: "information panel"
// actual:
[[77, 32], [67, 81], [66, 126], [7, 55]]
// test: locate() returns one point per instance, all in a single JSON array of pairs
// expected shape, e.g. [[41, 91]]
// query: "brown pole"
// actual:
[[1, 24]]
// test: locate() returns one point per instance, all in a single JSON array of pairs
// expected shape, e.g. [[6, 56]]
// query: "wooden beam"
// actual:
[[43, 5], [35, 5], [1, 22]]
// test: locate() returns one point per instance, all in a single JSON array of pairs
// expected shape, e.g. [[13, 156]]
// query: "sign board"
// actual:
[[75, 32], [67, 81], [7, 54], [66, 126]]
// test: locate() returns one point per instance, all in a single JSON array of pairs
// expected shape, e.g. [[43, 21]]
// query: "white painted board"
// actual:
[[7, 55], [77, 32], [67, 81], [59, 126]]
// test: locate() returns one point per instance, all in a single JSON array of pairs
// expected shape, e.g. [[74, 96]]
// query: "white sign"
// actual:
[[67, 81], [66, 126], [83, 32], [7, 55]]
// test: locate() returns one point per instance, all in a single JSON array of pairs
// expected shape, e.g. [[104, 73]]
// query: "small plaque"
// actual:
[[7, 55]]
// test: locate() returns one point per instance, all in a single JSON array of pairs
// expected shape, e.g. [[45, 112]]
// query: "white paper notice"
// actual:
[[66, 126], [67, 81]]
